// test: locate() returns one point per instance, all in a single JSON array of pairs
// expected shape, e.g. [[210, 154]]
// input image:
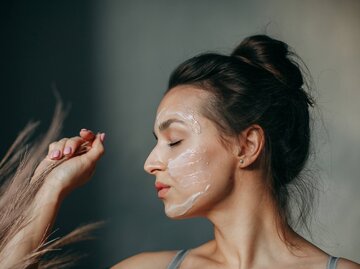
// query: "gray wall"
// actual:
[[140, 42]]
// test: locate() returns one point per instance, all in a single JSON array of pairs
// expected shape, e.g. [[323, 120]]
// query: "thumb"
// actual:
[[97, 148]]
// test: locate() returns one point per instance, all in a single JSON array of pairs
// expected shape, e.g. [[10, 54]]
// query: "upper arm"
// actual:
[[147, 260], [347, 264]]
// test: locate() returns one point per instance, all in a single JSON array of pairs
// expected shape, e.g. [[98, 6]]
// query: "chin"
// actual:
[[175, 217], [185, 210], [180, 214]]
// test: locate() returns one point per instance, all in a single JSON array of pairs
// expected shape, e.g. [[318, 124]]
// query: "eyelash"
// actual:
[[174, 144]]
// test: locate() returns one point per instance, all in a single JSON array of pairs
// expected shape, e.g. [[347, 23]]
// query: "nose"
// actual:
[[154, 163]]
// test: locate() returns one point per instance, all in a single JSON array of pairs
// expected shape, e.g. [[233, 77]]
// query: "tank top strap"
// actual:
[[178, 258], [332, 262]]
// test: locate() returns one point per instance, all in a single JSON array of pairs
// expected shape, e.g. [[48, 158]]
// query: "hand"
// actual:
[[75, 158]]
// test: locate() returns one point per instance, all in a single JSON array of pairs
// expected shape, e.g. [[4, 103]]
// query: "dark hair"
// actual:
[[260, 83]]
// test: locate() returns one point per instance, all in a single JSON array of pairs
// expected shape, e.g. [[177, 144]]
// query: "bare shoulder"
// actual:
[[347, 264], [147, 260]]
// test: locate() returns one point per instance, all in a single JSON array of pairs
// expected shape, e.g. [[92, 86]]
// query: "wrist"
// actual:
[[50, 193]]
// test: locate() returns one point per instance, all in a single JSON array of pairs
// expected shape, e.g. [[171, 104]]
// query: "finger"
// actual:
[[72, 145], [56, 149], [85, 147], [87, 135], [97, 148]]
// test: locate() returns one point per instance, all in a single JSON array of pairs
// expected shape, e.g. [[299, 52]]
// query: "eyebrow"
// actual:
[[166, 124]]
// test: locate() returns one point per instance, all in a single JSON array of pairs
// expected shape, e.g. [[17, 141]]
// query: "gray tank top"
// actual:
[[180, 256]]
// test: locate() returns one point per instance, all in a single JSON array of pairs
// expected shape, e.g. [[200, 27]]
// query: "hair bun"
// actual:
[[272, 55]]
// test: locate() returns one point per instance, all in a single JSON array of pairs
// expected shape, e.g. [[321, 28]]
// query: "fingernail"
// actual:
[[67, 150], [102, 137], [86, 130], [55, 154]]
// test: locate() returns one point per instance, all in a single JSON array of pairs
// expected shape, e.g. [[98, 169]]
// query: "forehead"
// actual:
[[182, 99]]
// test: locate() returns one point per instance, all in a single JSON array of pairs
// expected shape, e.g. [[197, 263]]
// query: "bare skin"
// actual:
[[236, 201]]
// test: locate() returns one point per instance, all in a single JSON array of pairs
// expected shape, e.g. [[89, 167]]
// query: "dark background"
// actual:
[[46, 44]]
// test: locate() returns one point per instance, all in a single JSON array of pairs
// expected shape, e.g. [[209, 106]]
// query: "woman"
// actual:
[[232, 139]]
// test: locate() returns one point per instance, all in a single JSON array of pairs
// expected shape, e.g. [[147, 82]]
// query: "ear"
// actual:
[[252, 142]]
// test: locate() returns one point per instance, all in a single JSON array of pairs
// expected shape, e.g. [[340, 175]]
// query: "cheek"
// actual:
[[190, 173], [197, 173], [190, 168]]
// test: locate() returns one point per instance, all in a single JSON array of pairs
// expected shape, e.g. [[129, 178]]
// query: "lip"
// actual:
[[162, 189]]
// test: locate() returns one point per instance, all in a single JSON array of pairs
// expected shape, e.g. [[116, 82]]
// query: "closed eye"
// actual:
[[155, 136], [175, 143]]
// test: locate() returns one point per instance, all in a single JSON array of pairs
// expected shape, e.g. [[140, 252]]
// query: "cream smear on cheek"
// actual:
[[175, 210], [190, 169]]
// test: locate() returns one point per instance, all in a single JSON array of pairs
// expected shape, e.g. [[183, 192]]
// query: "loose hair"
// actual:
[[261, 82], [18, 188]]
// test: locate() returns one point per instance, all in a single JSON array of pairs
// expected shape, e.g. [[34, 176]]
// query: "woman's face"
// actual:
[[189, 156]]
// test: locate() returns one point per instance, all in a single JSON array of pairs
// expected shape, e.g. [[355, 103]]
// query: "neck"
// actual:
[[246, 227]]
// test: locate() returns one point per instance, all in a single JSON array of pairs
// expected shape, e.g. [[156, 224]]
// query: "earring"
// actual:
[[241, 161]]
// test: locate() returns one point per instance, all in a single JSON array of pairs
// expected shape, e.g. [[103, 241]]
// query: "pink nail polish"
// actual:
[[67, 150], [102, 137], [55, 154]]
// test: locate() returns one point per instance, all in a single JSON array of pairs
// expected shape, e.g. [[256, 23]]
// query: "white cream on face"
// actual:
[[188, 116], [189, 170], [174, 210]]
